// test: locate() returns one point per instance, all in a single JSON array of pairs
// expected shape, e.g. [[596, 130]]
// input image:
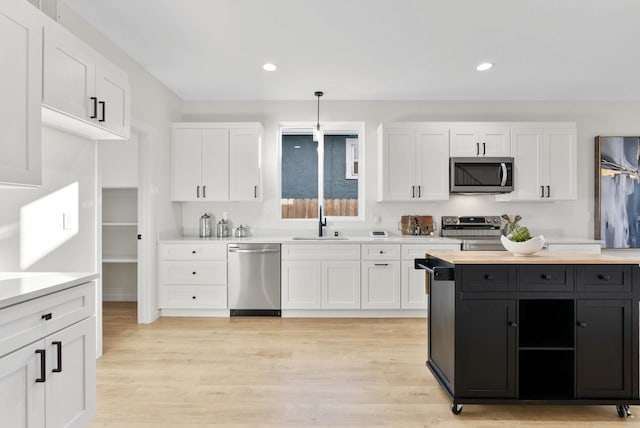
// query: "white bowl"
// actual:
[[525, 248]]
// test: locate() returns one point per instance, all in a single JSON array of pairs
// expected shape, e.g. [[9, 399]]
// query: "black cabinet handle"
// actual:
[[381, 264], [413, 191], [542, 191], [47, 317], [419, 191], [581, 324], [94, 115], [513, 324], [488, 277], [548, 191], [477, 149], [102, 118], [484, 148], [604, 277], [546, 277], [43, 366], [197, 191], [255, 192], [204, 191], [58, 345]]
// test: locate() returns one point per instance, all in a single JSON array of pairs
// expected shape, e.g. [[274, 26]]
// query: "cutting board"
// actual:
[[425, 222]]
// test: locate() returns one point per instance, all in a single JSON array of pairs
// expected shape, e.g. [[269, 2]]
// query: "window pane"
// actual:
[[299, 176], [340, 175]]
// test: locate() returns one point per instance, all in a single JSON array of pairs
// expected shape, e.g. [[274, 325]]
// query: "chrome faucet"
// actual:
[[321, 222]]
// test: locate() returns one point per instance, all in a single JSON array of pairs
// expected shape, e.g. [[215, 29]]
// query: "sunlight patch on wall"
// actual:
[[47, 223]]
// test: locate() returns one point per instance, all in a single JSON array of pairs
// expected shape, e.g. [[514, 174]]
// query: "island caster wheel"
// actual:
[[456, 409], [623, 410]]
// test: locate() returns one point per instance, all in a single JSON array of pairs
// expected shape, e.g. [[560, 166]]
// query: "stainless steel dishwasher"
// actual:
[[254, 279]]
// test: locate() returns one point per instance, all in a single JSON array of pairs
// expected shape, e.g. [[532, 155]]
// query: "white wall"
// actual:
[[31, 235], [556, 219]]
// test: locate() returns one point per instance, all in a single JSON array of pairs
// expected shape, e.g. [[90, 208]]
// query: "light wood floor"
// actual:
[[273, 372]]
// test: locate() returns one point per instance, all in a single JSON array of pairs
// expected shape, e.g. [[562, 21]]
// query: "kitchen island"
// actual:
[[552, 328]]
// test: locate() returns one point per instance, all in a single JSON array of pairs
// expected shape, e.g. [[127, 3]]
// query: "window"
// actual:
[[325, 170]]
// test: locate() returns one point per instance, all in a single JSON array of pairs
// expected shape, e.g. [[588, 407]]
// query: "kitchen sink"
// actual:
[[319, 238]]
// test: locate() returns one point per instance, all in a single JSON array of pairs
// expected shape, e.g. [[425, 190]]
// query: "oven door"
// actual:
[[481, 175]]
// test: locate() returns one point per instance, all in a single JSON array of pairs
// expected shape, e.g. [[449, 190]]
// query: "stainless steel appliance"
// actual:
[[481, 175], [254, 279], [477, 233]]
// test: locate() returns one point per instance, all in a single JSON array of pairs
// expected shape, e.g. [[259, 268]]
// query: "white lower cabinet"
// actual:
[[192, 276], [50, 382], [321, 276], [380, 284]]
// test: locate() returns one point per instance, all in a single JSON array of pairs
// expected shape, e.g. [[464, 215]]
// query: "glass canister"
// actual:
[[222, 228], [205, 226]]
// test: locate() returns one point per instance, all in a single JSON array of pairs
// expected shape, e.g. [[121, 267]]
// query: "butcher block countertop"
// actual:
[[541, 257]]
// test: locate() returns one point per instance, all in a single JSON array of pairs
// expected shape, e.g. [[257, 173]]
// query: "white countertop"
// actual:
[[17, 287], [312, 240]]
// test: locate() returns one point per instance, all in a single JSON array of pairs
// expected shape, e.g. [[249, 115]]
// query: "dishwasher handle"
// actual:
[[262, 251]]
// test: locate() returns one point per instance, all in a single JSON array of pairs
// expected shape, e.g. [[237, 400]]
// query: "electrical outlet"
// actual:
[[68, 221]]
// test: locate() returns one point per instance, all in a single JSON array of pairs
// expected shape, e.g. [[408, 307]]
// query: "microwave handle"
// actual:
[[504, 174]]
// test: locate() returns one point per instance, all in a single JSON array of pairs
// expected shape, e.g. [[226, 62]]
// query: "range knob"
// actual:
[[447, 220]]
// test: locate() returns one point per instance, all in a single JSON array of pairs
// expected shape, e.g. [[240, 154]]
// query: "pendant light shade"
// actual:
[[316, 132]]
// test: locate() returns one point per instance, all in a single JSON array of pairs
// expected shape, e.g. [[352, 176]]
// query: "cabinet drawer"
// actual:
[[25, 322], [193, 272], [321, 251], [604, 278], [193, 297], [381, 252], [413, 251], [489, 278], [545, 278], [213, 251]]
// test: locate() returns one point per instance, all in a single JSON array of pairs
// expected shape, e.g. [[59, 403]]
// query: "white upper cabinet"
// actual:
[[82, 92], [216, 161], [545, 164], [479, 140], [413, 162], [21, 87]]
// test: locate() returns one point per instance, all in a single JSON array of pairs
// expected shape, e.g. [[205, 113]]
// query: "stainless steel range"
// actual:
[[477, 233]]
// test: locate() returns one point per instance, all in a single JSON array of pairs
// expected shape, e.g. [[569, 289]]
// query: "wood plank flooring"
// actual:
[[273, 372]]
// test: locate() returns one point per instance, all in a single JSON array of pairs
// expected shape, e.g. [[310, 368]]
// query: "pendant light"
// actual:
[[316, 132]]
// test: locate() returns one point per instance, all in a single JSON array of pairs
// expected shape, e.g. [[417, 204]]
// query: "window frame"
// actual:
[[330, 128]]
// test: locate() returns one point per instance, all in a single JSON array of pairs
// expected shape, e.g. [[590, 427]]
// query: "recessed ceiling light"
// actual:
[[269, 67], [484, 66]]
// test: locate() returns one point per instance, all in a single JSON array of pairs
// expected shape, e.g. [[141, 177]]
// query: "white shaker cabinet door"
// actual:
[[114, 105], [479, 140], [244, 165], [71, 364], [215, 165], [397, 157], [301, 284], [186, 158], [412, 291], [21, 89], [341, 284], [432, 168], [562, 152], [21, 397], [380, 285], [528, 149]]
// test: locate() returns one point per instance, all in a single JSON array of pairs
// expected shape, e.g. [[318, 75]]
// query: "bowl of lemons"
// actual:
[[521, 243]]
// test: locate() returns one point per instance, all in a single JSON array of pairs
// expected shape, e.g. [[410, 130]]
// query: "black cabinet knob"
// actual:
[[581, 324], [193, 297], [604, 277], [193, 252], [513, 324], [193, 273], [488, 277], [546, 277], [381, 252]]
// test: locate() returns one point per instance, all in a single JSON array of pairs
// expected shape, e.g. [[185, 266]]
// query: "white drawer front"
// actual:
[[417, 251], [193, 272], [381, 252], [196, 251], [193, 297], [321, 251], [25, 322]]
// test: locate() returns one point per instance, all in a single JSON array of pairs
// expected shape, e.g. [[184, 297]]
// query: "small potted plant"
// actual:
[[520, 242]]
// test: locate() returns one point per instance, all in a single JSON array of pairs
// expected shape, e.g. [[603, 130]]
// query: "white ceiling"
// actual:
[[380, 49]]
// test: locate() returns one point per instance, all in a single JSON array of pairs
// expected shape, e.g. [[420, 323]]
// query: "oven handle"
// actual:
[[504, 174]]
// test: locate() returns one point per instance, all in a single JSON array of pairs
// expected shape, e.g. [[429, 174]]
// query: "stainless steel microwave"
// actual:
[[481, 175]]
